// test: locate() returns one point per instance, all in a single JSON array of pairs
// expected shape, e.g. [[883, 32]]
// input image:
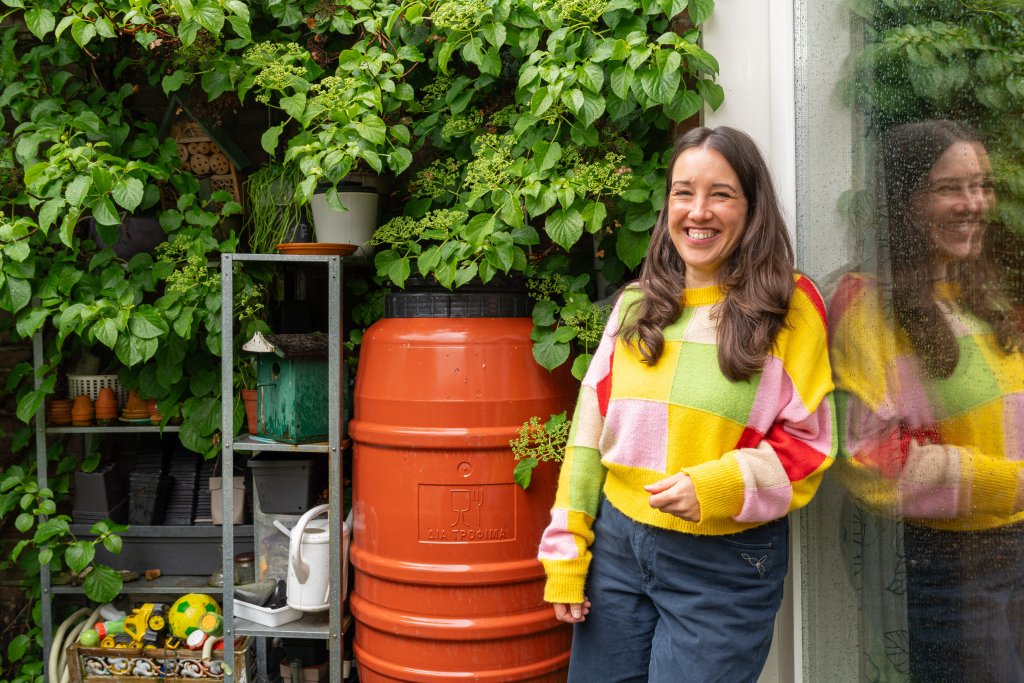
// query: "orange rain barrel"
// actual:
[[447, 586]]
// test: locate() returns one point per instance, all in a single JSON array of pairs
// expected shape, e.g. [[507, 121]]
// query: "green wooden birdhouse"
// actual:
[[291, 385]]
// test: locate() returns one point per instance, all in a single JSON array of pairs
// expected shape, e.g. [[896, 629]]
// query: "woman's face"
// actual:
[[707, 213], [951, 206]]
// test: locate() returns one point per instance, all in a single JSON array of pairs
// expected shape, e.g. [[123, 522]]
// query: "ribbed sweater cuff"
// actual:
[[719, 487], [994, 486], [566, 579]]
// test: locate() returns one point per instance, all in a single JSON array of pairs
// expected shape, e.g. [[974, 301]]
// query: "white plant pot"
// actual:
[[354, 226]]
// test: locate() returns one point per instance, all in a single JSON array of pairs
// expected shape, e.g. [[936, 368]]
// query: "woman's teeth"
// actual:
[[700, 234]]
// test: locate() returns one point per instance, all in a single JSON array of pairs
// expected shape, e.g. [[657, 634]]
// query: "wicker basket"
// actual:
[[90, 385]]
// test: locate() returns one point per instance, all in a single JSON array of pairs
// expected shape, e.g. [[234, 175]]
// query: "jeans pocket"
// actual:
[[763, 537]]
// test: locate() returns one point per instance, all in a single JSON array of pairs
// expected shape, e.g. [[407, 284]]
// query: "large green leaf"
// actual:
[[40, 21], [106, 331], [76, 190], [31, 321], [104, 211], [683, 106], [524, 470], [594, 214], [700, 10], [128, 192], [102, 584], [592, 108], [564, 226], [590, 76], [18, 646], [15, 294], [51, 528], [147, 323], [132, 350], [79, 555], [546, 154], [551, 350], [216, 81], [631, 247], [174, 80]]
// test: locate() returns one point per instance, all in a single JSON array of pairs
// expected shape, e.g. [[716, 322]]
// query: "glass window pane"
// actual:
[[910, 168]]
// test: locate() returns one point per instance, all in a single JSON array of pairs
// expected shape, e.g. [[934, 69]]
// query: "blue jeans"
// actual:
[[965, 604], [669, 607]]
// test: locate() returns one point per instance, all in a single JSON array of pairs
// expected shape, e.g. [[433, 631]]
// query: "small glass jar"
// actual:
[[245, 568]]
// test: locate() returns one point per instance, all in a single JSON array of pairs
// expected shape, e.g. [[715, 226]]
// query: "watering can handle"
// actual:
[[299, 566]]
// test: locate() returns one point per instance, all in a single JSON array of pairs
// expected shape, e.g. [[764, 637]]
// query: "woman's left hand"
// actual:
[[675, 495]]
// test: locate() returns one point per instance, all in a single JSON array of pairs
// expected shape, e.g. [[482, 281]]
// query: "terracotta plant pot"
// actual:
[[249, 397], [82, 411], [154, 413], [58, 411], [106, 405], [135, 408]]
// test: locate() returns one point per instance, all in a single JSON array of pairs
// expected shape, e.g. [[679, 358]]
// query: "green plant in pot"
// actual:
[[275, 217], [334, 124]]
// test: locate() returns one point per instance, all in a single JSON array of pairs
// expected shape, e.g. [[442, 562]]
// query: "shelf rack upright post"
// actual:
[[229, 445]]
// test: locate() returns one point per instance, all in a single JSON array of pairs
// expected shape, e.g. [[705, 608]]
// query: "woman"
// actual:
[[930, 380], [703, 420]]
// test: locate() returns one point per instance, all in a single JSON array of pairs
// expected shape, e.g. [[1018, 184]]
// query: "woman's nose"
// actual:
[[699, 208], [976, 199]]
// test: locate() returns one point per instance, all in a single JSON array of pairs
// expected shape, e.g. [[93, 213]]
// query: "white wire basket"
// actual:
[[90, 385]]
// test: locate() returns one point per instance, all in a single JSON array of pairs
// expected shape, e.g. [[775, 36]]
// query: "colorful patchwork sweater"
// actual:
[[946, 453], [755, 449]]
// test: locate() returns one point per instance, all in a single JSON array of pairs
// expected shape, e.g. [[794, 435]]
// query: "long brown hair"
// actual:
[[909, 153], [757, 278]]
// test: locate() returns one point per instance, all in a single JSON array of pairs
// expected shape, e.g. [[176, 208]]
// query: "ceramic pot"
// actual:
[[106, 405], [354, 226], [154, 413], [249, 397], [135, 408], [58, 411], [82, 411]]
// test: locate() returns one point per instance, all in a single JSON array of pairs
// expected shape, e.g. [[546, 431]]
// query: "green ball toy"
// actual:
[[89, 638]]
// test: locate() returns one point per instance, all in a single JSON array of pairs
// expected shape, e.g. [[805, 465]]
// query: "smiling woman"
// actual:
[[705, 417]]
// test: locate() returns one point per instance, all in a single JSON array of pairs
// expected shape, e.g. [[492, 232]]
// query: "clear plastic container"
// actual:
[[270, 545]]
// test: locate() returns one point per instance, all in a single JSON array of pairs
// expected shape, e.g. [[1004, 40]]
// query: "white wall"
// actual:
[[753, 43], [780, 62]]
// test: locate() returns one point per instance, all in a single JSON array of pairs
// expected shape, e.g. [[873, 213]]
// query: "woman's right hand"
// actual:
[[572, 612]]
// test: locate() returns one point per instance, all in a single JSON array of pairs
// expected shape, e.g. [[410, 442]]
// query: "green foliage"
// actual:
[[946, 59], [49, 535], [529, 137], [539, 443], [564, 317]]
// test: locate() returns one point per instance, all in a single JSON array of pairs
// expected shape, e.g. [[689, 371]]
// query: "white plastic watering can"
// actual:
[[309, 569]]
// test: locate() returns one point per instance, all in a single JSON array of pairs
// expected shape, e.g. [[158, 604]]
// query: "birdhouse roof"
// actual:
[[299, 346]]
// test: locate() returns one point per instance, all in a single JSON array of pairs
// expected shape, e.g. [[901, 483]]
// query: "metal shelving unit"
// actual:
[[168, 585], [313, 625]]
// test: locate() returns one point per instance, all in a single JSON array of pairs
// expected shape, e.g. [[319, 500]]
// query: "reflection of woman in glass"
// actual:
[[930, 386]]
